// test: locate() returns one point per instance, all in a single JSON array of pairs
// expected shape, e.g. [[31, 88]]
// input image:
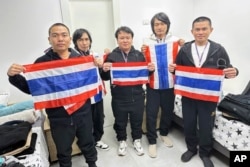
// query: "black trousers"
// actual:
[[64, 134], [159, 98], [203, 113], [98, 120], [131, 108]]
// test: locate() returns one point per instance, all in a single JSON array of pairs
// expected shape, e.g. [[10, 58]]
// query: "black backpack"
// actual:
[[237, 106], [13, 135]]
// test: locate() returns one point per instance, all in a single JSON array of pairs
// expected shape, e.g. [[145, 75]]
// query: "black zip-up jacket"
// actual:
[[58, 114], [215, 55], [124, 92]]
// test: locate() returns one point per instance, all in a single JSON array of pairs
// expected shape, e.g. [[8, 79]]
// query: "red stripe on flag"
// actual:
[[58, 63], [130, 64], [75, 107], [148, 59], [64, 101], [209, 71], [147, 55], [105, 57], [175, 50], [197, 96], [129, 83]]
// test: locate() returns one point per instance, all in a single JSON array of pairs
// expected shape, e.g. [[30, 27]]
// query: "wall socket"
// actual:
[[145, 22]]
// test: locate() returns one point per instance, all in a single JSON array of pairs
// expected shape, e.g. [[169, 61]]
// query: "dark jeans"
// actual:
[[159, 98], [132, 108], [203, 113], [64, 134], [98, 120]]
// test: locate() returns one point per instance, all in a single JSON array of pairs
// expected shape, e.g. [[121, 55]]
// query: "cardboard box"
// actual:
[[51, 144]]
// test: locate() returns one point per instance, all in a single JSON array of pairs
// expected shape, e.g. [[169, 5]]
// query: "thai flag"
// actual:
[[67, 83], [161, 54], [129, 73], [101, 92], [199, 83]]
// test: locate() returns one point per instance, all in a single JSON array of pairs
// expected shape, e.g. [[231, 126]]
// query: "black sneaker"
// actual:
[[186, 156], [207, 162]]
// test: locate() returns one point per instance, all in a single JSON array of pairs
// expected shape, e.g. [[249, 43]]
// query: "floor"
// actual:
[[166, 157]]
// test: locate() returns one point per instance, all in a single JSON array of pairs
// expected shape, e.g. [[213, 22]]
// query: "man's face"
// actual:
[[59, 38], [160, 28], [124, 41], [83, 43], [201, 31]]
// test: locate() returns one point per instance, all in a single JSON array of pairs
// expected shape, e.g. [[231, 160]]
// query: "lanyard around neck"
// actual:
[[125, 56], [202, 53]]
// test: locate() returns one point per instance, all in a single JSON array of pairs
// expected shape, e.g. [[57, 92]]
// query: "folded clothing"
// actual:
[[15, 108], [13, 135], [26, 115]]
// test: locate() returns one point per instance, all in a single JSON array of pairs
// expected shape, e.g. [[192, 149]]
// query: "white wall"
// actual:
[[229, 19], [24, 29], [133, 13], [24, 35]]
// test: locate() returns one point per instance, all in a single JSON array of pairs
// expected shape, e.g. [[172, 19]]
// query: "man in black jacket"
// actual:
[[127, 101], [64, 127], [202, 53]]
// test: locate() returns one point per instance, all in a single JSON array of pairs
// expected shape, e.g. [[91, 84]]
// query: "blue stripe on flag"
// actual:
[[199, 83], [64, 82], [162, 64], [98, 97], [130, 73]]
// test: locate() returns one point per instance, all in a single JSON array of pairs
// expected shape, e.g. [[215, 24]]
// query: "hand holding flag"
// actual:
[[130, 73], [161, 54], [62, 82], [199, 83]]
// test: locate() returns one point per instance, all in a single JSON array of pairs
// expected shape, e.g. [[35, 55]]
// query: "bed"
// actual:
[[229, 134], [39, 158]]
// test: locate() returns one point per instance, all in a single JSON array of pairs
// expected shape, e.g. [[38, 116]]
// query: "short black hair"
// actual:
[[124, 29], [78, 34], [202, 18], [162, 17], [58, 24]]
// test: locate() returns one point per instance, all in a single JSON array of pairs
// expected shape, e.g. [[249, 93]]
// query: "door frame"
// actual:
[[66, 12]]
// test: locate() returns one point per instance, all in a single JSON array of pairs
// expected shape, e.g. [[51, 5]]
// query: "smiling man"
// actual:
[[64, 127], [201, 53]]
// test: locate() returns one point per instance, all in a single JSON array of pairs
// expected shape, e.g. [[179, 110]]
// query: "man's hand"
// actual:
[[106, 66], [15, 69], [171, 67], [230, 72], [98, 62], [151, 66], [181, 42]]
